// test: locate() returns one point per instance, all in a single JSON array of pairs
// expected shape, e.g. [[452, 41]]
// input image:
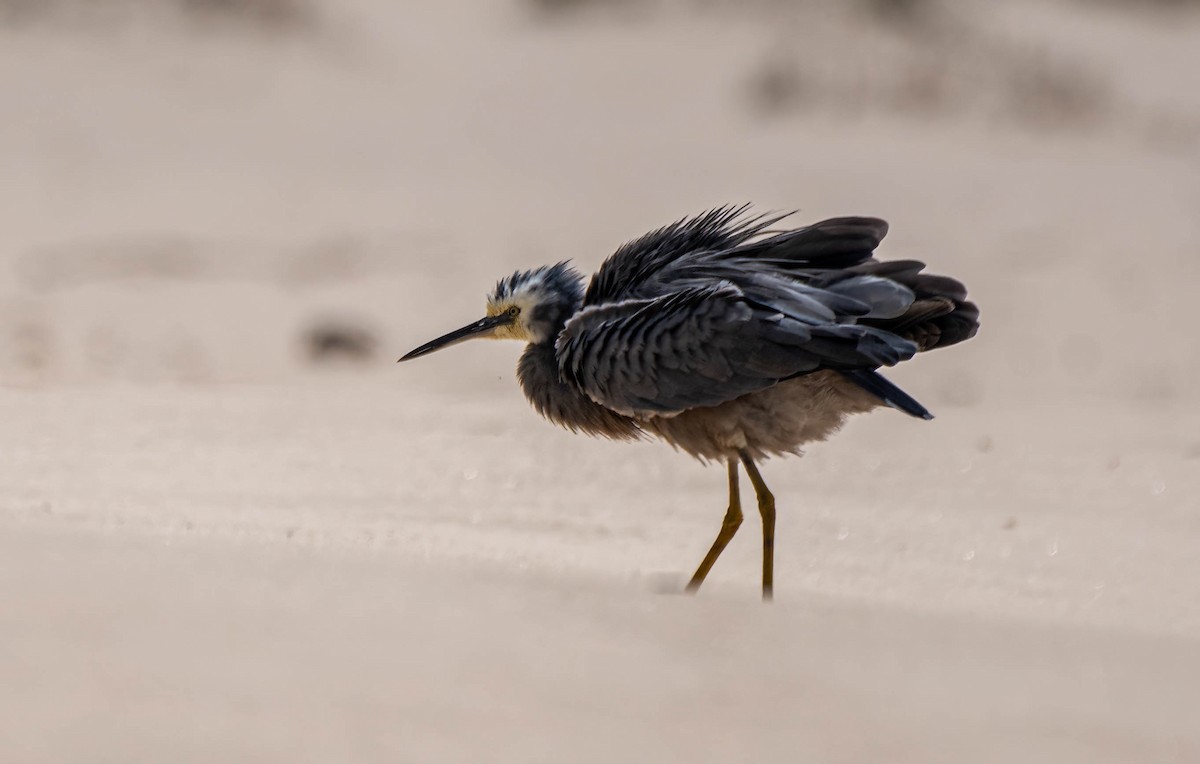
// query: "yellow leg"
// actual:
[[766, 508], [729, 526]]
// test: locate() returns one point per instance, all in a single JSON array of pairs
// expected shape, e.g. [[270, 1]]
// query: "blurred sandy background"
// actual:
[[231, 529]]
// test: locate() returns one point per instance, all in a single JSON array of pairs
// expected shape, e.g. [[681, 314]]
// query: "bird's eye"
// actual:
[[514, 311]]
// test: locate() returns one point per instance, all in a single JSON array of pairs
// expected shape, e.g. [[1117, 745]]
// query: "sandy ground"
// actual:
[[213, 548]]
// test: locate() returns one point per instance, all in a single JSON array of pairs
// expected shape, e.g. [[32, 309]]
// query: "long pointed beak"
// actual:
[[480, 328]]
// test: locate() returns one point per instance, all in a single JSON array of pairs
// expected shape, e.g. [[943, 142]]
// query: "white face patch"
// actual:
[[525, 299], [550, 293]]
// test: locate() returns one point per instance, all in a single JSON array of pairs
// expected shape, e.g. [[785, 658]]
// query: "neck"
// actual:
[[563, 403], [549, 318]]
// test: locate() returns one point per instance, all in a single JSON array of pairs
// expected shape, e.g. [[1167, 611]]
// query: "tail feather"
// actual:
[[940, 315], [878, 385]]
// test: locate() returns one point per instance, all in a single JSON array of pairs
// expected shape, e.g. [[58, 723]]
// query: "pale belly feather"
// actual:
[[771, 422]]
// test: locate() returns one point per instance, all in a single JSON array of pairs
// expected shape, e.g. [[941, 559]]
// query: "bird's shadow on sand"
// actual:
[[670, 582]]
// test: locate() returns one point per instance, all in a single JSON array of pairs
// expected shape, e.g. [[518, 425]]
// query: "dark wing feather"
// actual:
[[713, 307], [703, 346], [725, 244], [640, 262], [833, 243]]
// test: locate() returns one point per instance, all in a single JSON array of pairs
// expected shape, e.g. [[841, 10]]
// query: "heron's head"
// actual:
[[531, 306]]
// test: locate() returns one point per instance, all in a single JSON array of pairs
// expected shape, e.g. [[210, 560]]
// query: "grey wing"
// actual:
[[815, 270], [640, 263], [727, 244], [702, 346], [812, 273]]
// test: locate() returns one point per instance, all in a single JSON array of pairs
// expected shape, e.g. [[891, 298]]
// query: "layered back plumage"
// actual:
[[711, 308]]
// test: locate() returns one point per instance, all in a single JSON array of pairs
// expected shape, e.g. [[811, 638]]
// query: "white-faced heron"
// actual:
[[727, 339]]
